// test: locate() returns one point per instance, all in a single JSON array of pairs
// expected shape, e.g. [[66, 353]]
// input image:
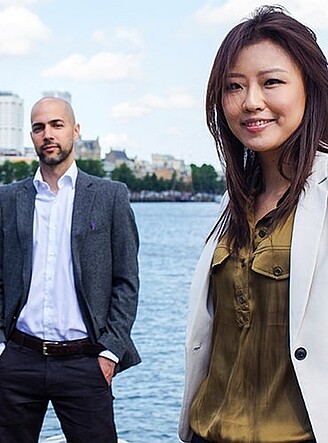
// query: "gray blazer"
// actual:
[[104, 243]]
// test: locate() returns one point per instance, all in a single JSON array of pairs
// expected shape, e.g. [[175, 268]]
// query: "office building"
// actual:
[[65, 95], [11, 123]]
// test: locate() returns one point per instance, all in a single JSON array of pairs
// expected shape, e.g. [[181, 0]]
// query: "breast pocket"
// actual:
[[272, 262], [220, 255]]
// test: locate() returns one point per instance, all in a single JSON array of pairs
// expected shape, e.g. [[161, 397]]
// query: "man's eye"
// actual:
[[36, 129]]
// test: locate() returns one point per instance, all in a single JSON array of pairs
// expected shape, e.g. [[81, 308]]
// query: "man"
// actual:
[[68, 290]]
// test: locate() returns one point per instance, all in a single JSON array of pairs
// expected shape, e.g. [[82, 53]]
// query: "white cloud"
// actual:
[[118, 35], [17, 2], [314, 13], [175, 100], [129, 111], [19, 30], [115, 140], [102, 66]]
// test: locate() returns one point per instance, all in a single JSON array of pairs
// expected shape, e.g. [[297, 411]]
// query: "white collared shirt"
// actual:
[[52, 311]]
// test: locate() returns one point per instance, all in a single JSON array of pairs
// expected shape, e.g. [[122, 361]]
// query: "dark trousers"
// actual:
[[198, 439], [75, 385]]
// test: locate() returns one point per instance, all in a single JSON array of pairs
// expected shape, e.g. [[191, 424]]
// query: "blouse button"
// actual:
[[277, 271], [262, 232], [242, 299], [300, 353]]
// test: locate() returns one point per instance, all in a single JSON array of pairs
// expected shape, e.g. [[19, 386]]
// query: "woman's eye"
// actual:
[[233, 86], [273, 81]]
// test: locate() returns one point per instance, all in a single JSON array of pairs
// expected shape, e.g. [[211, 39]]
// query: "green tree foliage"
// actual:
[[124, 174], [21, 170], [7, 172], [93, 167], [205, 179], [14, 171]]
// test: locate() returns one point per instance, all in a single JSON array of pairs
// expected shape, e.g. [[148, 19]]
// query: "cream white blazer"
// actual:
[[308, 307]]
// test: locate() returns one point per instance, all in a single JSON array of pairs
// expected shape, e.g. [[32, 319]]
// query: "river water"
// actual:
[[148, 396]]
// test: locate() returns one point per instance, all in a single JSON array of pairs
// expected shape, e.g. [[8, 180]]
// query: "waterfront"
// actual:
[[148, 396]]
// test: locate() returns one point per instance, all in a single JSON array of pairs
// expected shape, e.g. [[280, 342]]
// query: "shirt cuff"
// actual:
[[107, 354], [2, 347]]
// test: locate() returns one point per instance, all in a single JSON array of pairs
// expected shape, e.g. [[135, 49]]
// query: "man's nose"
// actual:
[[47, 133]]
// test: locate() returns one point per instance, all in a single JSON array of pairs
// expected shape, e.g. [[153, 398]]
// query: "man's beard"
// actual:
[[59, 158]]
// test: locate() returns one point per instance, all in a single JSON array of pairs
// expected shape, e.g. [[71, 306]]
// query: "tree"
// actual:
[[7, 172], [21, 170], [93, 167], [205, 179], [124, 174]]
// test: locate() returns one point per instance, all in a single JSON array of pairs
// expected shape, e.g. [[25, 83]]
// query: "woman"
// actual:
[[257, 338]]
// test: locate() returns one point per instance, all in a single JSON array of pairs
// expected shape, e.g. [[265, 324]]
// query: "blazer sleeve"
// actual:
[[2, 314], [125, 276]]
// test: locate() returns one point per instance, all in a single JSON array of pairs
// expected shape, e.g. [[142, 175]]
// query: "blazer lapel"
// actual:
[[308, 225], [25, 203], [84, 197]]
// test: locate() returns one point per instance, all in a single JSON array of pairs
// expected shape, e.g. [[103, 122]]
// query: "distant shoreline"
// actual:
[[173, 196]]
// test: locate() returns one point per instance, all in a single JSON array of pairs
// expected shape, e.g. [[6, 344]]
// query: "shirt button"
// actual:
[[242, 299], [300, 353], [262, 232], [277, 271]]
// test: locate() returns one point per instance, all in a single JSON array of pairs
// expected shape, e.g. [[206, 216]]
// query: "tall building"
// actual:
[[11, 123], [65, 95]]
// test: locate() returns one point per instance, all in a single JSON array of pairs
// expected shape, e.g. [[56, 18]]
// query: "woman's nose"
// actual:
[[253, 100]]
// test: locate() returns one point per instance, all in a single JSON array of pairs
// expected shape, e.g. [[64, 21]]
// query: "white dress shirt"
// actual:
[[52, 311]]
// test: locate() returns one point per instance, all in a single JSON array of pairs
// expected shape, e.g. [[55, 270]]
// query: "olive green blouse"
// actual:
[[251, 393]]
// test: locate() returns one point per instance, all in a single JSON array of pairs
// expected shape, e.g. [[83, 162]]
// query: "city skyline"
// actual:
[[136, 71]]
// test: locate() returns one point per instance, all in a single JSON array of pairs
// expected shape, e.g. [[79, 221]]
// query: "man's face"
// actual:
[[53, 131]]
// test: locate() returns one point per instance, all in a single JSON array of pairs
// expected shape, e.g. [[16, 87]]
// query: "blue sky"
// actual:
[[136, 69]]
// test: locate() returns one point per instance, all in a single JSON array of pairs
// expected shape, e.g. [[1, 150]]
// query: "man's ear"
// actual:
[[76, 131]]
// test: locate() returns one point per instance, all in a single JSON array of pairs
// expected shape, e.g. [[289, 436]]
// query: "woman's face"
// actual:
[[264, 97]]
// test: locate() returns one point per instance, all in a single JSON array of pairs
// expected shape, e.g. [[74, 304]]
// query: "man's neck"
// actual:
[[52, 173]]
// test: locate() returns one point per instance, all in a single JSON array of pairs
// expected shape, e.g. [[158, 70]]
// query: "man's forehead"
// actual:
[[45, 114]]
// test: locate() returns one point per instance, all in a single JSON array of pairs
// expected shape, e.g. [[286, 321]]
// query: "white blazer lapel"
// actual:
[[308, 225]]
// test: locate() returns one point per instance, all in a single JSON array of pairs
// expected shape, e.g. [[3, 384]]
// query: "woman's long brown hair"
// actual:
[[242, 166]]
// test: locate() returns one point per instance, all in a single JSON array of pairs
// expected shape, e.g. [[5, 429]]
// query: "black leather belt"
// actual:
[[56, 348]]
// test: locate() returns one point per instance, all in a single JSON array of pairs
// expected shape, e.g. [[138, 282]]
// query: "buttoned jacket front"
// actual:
[[308, 315], [104, 244]]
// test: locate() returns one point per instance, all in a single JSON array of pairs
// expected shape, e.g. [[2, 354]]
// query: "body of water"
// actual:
[[148, 396]]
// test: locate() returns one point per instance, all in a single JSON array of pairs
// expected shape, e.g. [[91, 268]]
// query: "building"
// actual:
[[142, 168], [166, 167], [115, 158], [11, 123], [65, 95], [87, 149]]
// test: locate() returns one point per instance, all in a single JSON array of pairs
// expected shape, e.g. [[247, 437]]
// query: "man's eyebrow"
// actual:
[[55, 120]]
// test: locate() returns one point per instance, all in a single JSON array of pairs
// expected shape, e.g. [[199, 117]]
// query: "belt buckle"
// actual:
[[45, 345]]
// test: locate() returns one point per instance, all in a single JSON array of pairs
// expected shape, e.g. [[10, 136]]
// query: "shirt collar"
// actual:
[[69, 177]]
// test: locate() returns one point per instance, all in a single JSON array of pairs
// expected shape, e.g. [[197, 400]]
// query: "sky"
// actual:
[[136, 69]]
